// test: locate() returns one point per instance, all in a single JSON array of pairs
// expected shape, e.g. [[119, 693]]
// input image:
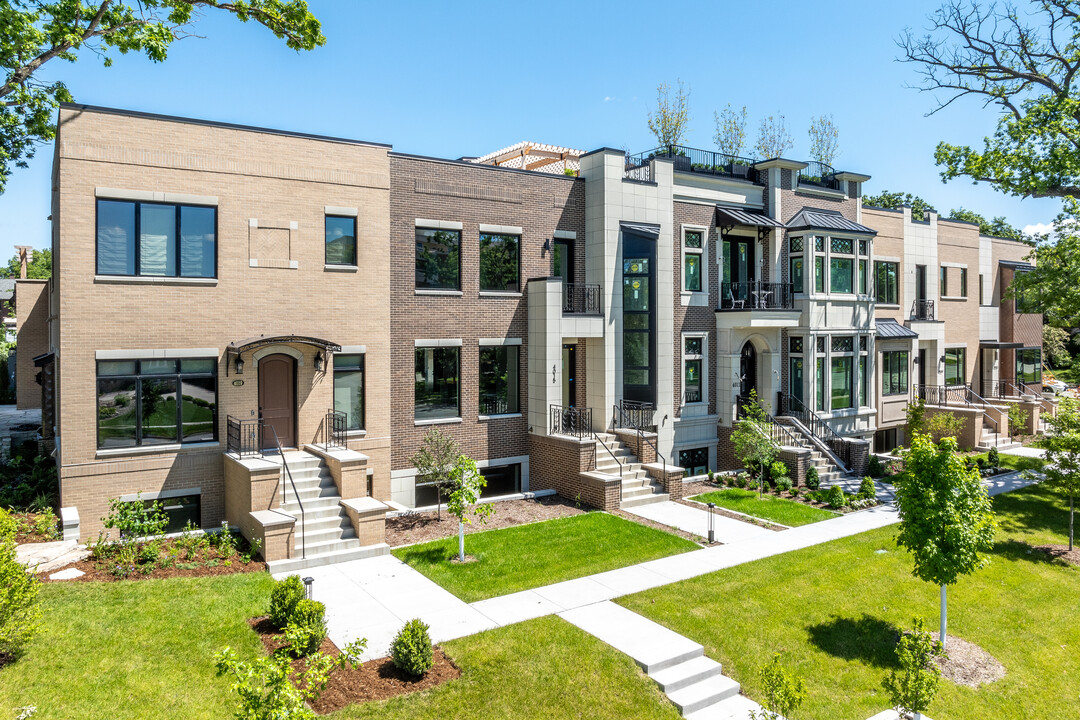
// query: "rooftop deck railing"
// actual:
[[694, 160], [581, 299], [819, 174]]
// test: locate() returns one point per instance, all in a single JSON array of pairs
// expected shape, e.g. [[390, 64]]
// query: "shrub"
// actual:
[[993, 458], [875, 469], [283, 599], [777, 470], [784, 484], [867, 489], [837, 498], [712, 477], [784, 691], [411, 649], [812, 481], [45, 524], [8, 526], [136, 519], [742, 480], [265, 690], [912, 688], [20, 615], [306, 628]]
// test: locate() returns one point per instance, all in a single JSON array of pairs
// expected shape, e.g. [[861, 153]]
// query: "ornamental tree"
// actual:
[[35, 32], [1062, 445], [433, 462], [753, 448], [773, 137], [947, 522], [466, 484], [783, 691], [730, 134], [912, 688], [669, 121], [824, 139]]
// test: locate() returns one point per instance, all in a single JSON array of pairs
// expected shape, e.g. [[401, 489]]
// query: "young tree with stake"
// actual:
[[466, 484], [946, 519], [433, 461], [1062, 445]]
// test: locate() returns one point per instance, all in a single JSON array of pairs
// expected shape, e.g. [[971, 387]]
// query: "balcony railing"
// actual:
[[570, 421], [922, 310], [637, 167], [693, 160], [819, 174], [335, 434], [692, 396], [244, 437], [756, 296], [582, 300], [495, 405]]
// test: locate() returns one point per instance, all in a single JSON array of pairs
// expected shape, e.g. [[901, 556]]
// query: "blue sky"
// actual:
[[453, 79]]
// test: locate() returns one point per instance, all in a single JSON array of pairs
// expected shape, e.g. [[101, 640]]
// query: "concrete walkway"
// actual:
[[1025, 452], [696, 521]]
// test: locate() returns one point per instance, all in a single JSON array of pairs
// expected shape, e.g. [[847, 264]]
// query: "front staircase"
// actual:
[[638, 487], [829, 472], [324, 533]]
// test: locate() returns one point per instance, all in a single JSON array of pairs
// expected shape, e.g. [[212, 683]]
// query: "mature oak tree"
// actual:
[[35, 32]]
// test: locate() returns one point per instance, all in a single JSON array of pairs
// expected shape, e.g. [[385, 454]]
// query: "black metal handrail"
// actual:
[[618, 462], [335, 433], [795, 408], [777, 435], [581, 299], [288, 472], [695, 160], [243, 437], [637, 416], [756, 295], [819, 174], [922, 310], [573, 421]]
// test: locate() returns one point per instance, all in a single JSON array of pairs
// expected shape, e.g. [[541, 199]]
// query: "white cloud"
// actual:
[[1038, 228], [609, 98]]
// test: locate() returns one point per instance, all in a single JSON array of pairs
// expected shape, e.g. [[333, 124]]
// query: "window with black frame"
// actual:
[[894, 373], [437, 389], [955, 371], [694, 461], [349, 389], [841, 265], [886, 282], [340, 240], [499, 264], [797, 264], [438, 259], [156, 239], [1029, 365], [156, 402], [499, 387]]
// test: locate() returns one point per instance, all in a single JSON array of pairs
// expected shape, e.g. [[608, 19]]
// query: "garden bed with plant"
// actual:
[[420, 527], [773, 484], [774, 508], [30, 527]]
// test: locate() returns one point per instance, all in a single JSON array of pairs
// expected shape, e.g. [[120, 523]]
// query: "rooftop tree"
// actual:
[[33, 33], [773, 137], [730, 130], [669, 121], [824, 139]]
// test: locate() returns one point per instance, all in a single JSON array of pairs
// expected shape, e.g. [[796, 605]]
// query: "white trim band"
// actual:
[[168, 353], [438, 342], [353, 350], [341, 211], [438, 224], [501, 229], [151, 196], [565, 235], [489, 342]]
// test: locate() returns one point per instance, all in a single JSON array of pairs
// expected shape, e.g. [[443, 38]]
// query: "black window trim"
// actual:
[[138, 238], [356, 240], [363, 387], [480, 252], [461, 240]]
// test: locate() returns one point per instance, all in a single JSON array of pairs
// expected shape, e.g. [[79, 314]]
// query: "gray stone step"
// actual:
[[318, 537], [686, 673], [645, 500], [736, 707], [356, 552], [704, 693]]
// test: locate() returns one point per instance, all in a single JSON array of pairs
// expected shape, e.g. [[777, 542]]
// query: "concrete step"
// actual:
[[327, 521], [317, 537], [311, 504], [686, 673], [321, 546], [354, 552], [652, 646], [645, 500], [736, 707], [704, 693], [644, 490]]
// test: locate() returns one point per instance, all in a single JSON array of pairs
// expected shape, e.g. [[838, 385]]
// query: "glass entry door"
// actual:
[[737, 268], [639, 318], [569, 375]]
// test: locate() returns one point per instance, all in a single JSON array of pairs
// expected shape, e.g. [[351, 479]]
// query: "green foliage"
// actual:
[[874, 467], [784, 484], [34, 33], [45, 523], [912, 687], [135, 518], [411, 649], [8, 526], [836, 498], [1062, 444], [669, 121], [752, 445], [466, 484], [777, 470], [824, 139], [937, 426], [998, 227], [25, 481], [265, 690], [812, 480], [306, 628], [351, 654], [783, 691], [773, 137], [946, 519], [897, 200], [433, 461], [283, 600], [20, 614], [742, 480], [1018, 418], [1056, 347], [730, 130], [867, 489], [994, 458], [38, 266]]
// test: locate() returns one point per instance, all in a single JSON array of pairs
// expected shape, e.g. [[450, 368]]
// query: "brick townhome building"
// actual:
[[291, 314]]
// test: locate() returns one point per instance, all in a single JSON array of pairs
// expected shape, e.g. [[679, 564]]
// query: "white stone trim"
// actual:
[[564, 235], [438, 421], [294, 225], [341, 211], [353, 350], [497, 293], [489, 342], [341, 268], [453, 293], [954, 265], [161, 495], [502, 416], [437, 342], [169, 353], [501, 229], [438, 224], [279, 349], [153, 280], [151, 196], [885, 258], [155, 449]]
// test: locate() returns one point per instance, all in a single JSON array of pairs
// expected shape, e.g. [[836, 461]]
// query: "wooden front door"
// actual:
[[277, 400]]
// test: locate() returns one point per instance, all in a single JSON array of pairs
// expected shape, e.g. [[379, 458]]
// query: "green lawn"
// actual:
[[528, 556], [544, 668], [1015, 462], [768, 507], [834, 611], [140, 649]]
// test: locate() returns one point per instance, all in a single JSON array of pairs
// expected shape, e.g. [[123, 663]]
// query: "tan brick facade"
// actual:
[[32, 338]]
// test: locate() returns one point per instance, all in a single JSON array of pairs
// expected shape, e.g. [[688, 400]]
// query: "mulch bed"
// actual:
[[205, 561], [968, 664], [1062, 552], [25, 521], [421, 527], [374, 680]]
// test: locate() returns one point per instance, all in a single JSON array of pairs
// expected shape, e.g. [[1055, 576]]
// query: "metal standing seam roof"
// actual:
[[736, 216], [889, 328], [818, 219]]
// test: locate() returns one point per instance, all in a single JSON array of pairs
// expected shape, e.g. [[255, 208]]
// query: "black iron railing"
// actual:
[[573, 421], [692, 396], [334, 429], [637, 416], [495, 405], [580, 299], [793, 407], [637, 167], [694, 160], [243, 437], [756, 296], [941, 394], [922, 310], [819, 174]]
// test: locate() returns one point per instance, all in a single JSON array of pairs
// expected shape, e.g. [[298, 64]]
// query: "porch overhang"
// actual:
[[254, 343], [999, 345], [757, 318]]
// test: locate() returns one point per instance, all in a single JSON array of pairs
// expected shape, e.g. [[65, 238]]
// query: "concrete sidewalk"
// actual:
[[696, 521]]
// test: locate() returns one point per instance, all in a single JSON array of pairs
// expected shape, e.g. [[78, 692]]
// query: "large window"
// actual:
[[693, 242], [349, 389], [944, 289], [963, 282], [156, 239], [156, 402], [693, 359], [841, 274], [340, 240], [437, 390], [499, 388], [1029, 365], [501, 480], [894, 373], [955, 372], [886, 276], [695, 461], [797, 272], [841, 383], [183, 511], [819, 273], [438, 259], [499, 267]]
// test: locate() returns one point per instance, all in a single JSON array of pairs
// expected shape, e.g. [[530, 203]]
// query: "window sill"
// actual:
[[953, 298], [438, 421], [453, 293], [888, 306], [499, 293], [341, 268], [502, 416], [155, 449], [148, 280], [355, 433], [817, 190]]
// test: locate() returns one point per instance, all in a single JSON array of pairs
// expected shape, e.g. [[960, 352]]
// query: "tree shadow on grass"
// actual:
[[430, 555], [866, 638], [1020, 551], [1034, 509]]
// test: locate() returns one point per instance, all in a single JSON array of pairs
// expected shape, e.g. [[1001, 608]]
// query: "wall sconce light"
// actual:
[[318, 361], [239, 366], [547, 246]]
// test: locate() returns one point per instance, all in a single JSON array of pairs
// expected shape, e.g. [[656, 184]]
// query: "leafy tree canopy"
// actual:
[[669, 121], [896, 200], [998, 227], [34, 32], [39, 266]]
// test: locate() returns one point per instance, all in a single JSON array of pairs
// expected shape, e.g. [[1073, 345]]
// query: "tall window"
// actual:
[[340, 240], [693, 354], [955, 372], [894, 373], [349, 389], [841, 266], [797, 265], [944, 290], [1029, 365], [864, 265], [841, 383], [820, 380], [819, 273], [499, 387], [438, 259], [695, 461], [963, 282], [982, 289], [437, 390], [864, 370], [693, 248], [886, 288], [156, 239], [499, 266], [156, 402]]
